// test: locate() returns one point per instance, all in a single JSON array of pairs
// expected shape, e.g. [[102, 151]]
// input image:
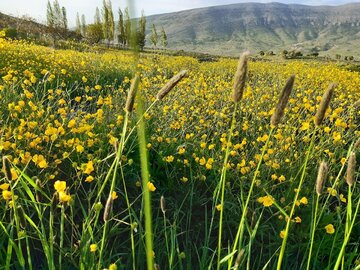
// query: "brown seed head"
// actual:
[[324, 104], [131, 94], [357, 144], [283, 101], [321, 177], [171, 84], [240, 77], [350, 173], [108, 208], [163, 205], [238, 258], [37, 193], [356, 104], [7, 168]]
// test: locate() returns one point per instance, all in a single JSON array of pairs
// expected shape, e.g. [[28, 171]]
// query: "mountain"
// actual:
[[232, 28]]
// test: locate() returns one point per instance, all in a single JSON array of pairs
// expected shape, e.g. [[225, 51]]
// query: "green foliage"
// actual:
[[94, 33]]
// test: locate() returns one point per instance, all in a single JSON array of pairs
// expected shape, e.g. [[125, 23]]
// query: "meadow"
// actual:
[[190, 179]]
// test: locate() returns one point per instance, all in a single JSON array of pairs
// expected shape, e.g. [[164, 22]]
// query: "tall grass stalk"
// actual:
[[145, 180], [240, 232], [288, 222], [222, 184]]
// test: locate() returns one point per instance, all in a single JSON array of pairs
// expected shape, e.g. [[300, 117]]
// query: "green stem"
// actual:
[[283, 245], [222, 184], [61, 235], [145, 180], [240, 232], [313, 228]]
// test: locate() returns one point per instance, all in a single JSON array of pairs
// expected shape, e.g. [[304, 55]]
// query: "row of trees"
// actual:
[[126, 31], [57, 22]]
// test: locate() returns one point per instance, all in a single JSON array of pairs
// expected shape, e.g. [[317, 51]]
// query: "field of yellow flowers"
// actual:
[[73, 186]]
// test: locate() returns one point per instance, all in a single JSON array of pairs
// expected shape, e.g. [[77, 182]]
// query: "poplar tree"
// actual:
[[78, 24], [140, 33], [64, 19], [121, 29], [127, 27], [154, 38], [164, 41], [83, 25], [108, 21], [97, 19]]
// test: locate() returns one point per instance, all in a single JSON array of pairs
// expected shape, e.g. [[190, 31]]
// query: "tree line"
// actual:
[[126, 32]]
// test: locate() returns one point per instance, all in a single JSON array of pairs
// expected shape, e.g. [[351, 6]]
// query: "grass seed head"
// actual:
[[324, 104], [283, 101], [240, 77], [357, 144], [163, 204], [350, 173], [171, 84], [108, 208], [7, 168], [238, 258], [37, 193], [321, 177], [356, 104], [131, 94]]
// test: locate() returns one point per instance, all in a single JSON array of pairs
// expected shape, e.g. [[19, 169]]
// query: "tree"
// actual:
[[83, 25], [64, 19], [127, 27], [56, 21], [140, 33], [97, 19], [164, 41], [94, 33], [121, 29], [78, 24], [154, 38], [108, 21]]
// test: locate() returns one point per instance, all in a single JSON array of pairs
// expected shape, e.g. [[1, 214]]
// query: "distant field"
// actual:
[[62, 126]]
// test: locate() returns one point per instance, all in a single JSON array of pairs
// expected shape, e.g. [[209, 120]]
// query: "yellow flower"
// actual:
[[266, 200], [282, 178], [297, 219], [63, 197], [60, 186], [330, 229], [14, 174], [169, 159], [6, 194], [304, 200], [181, 150], [282, 234], [218, 207], [151, 186], [305, 126], [89, 167], [114, 195], [89, 179], [113, 266], [93, 248], [4, 186]]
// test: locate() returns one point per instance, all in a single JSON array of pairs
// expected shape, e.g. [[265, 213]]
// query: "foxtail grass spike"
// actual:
[[163, 205], [131, 94], [108, 208], [324, 104], [21, 215], [283, 101], [7, 168], [171, 84], [350, 173], [37, 193], [240, 77], [357, 144], [238, 258], [321, 177], [356, 104]]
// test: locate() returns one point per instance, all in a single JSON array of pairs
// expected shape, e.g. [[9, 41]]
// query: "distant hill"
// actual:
[[232, 28], [25, 25]]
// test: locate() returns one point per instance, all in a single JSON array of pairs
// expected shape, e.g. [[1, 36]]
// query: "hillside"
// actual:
[[231, 28]]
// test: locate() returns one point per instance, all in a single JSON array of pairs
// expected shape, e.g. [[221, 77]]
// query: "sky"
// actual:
[[37, 8]]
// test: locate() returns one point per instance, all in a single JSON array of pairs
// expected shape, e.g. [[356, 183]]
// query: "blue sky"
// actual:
[[37, 8]]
